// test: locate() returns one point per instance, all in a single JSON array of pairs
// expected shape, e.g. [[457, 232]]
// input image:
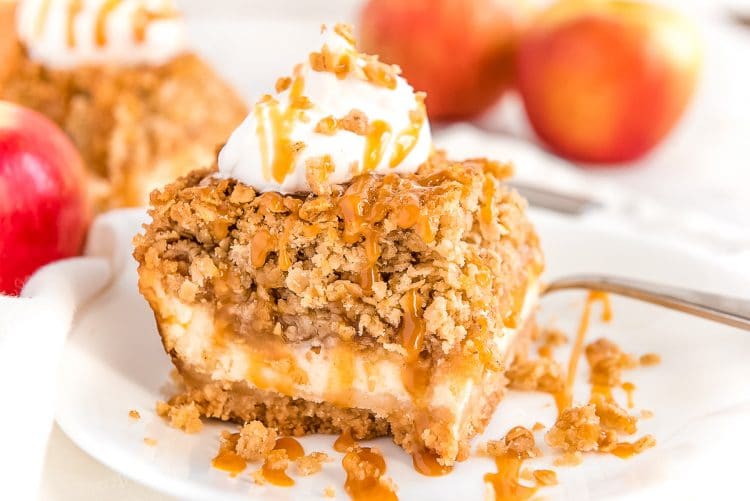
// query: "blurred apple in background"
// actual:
[[606, 80], [44, 211], [459, 51]]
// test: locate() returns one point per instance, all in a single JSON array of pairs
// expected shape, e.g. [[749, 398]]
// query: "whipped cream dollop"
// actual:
[[339, 114], [68, 33]]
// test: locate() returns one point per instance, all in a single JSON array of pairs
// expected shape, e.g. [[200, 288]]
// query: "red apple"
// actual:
[[459, 51], [44, 212], [606, 80]]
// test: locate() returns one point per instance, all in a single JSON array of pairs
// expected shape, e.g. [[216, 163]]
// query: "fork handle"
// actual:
[[724, 309]]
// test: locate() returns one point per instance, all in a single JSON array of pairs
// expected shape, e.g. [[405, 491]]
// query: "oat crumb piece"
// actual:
[[643, 443], [607, 361], [569, 459], [255, 441], [277, 459], [355, 121], [537, 426], [649, 359], [518, 442], [542, 374], [185, 417], [577, 429], [545, 477], [134, 414], [311, 463], [646, 414], [162, 408], [149, 441], [613, 417], [329, 491]]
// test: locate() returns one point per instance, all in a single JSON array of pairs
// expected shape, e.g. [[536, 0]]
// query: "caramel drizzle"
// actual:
[[407, 139], [564, 398], [629, 388], [261, 244], [345, 442], [74, 8], [364, 469], [375, 142], [488, 192], [227, 458], [41, 20], [505, 483], [279, 477], [260, 131], [143, 18], [413, 327], [101, 21], [425, 462], [282, 123]]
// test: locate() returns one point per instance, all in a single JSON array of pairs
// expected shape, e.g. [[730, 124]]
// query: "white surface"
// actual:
[[249, 154], [114, 362], [43, 27]]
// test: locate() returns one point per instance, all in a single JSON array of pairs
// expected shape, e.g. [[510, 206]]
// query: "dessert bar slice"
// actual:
[[391, 305], [138, 125]]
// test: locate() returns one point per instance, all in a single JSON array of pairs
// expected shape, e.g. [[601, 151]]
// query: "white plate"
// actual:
[[114, 362]]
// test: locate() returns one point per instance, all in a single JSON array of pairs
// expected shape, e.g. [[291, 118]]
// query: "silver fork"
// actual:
[[719, 308]]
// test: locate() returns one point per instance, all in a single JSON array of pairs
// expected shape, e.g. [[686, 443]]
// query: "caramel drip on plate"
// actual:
[[344, 442], [364, 469], [425, 462], [625, 450], [407, 139], [564, 398], [505, 483], [74, 8], [375, 143], [629, 388], [279, 477], [101, 21], [227, 459]]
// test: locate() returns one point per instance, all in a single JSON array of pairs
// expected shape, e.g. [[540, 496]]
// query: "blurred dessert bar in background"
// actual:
[[120, 80]]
